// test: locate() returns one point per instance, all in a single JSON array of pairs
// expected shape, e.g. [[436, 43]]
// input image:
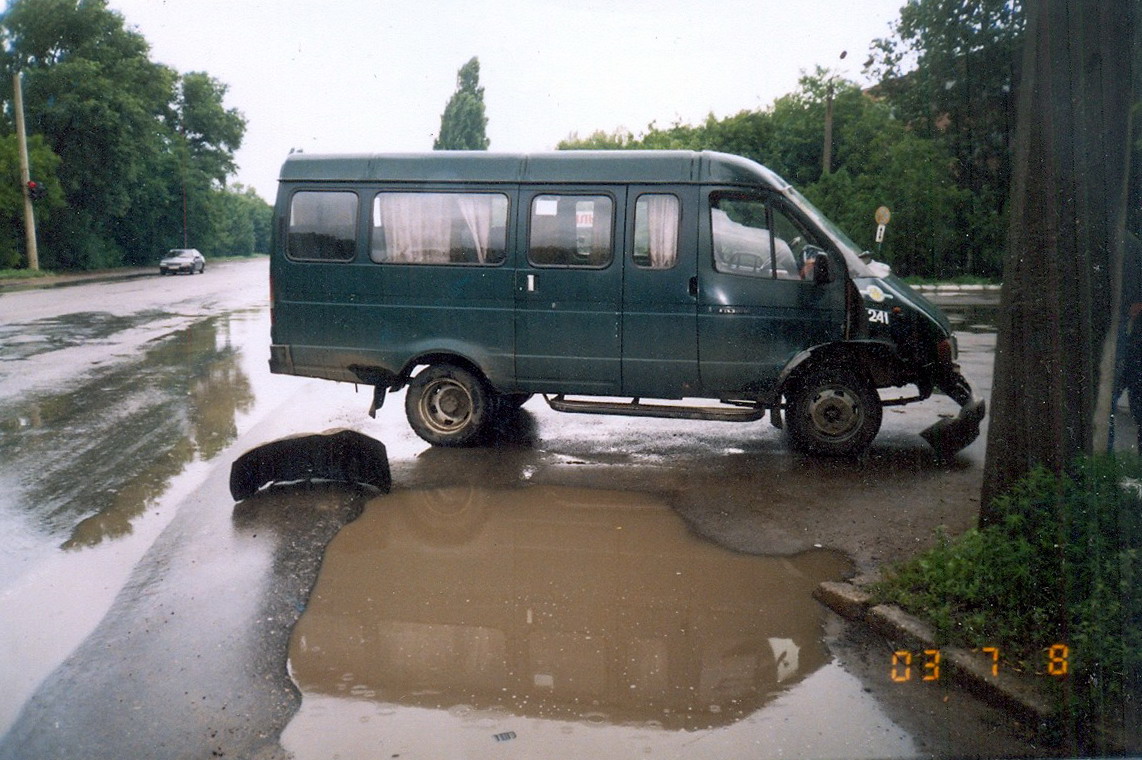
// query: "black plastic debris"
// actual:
[[341, 455], [950, 435]]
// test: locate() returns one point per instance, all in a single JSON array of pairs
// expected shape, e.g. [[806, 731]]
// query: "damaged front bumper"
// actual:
[[948, 436]]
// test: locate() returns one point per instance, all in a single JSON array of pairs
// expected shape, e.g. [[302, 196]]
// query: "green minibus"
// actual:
[[699, 281]]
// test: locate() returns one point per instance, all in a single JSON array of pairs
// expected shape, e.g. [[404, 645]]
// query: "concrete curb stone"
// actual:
[[974, 671]]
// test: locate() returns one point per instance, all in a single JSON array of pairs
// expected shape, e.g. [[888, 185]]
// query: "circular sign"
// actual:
[[882, 215]]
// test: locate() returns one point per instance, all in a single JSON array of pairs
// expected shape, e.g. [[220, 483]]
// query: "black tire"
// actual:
[[832, 412], [447, 405]]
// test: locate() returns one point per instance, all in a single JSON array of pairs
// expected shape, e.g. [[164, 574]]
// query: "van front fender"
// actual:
[[877, 361]]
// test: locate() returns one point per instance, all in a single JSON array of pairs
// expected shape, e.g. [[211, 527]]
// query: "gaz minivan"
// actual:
[[694, 285]]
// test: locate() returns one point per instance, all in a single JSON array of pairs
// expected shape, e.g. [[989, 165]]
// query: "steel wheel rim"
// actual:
[[835, 411], [446, 406]]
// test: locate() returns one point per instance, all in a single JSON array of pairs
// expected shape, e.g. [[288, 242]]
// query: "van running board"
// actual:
[[634, 408]]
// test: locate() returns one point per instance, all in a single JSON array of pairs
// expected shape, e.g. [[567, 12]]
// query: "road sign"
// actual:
[[882, 215]]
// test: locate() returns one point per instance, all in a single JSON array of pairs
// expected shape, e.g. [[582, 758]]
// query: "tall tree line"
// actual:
[[877, 160], [931, 140], [135, 156]]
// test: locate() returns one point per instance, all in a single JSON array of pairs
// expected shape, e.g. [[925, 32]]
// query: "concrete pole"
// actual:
[[25, 173], [827, 151]]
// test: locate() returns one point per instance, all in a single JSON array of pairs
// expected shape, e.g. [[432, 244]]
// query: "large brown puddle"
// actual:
[[456, 617]]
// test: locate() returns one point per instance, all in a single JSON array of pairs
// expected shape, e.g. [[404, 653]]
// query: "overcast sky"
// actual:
[[368, 76]]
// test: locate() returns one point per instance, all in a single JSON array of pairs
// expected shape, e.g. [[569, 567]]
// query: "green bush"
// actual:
[[1060, 566]]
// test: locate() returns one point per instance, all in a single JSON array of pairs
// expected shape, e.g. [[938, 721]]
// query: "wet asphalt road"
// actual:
[[145, 614]]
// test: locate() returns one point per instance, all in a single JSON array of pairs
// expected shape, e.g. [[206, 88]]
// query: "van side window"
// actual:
[[571, 231], [758, 239], [439, 228], [322, 226], [743, 243], [656, 231], [793, 263]]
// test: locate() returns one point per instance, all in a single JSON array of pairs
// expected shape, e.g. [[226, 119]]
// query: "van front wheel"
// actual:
[[832, 412], [447, 405]]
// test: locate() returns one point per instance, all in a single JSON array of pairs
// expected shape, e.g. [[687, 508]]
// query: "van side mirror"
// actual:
[[821, 269]]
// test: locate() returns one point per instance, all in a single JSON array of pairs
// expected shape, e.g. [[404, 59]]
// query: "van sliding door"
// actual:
[[568, 290], [660, 293]]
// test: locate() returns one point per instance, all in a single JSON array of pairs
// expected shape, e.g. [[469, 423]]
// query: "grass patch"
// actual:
[[23, 274], [1061, 566]]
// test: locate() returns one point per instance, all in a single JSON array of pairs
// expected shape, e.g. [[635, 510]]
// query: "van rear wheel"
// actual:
[[832, 412], [447, 405]]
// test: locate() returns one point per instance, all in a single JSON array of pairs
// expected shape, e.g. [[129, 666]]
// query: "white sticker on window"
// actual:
[[546, 207]]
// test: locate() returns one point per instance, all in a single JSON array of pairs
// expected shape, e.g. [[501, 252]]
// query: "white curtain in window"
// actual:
[[662, 216], [417, 229], [477, 212]]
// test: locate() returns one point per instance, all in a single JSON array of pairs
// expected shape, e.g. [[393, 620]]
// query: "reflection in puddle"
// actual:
[[22, 340], [105, 451], [544, 611], [97, 469]]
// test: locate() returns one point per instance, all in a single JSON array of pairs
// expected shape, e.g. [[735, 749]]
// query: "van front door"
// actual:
[[759, 304], [568, 291]]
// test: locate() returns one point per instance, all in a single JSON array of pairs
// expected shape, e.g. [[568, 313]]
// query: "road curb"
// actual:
[[63, 280], [950, 288], [102, 275], [972, 670]]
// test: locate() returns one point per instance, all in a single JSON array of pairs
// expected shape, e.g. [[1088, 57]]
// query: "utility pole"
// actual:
[[25, 174], [827, 149]]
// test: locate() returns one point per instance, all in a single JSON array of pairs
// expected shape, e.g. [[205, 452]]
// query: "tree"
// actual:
[[140, 147], [463, 123], [1063, 268], [877, 161], [211, 131], [93, 94], [620, 139], [950, 71], [43, 165], [241, 222]]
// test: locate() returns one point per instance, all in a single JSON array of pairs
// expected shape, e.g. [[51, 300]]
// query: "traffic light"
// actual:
[[36, 190]]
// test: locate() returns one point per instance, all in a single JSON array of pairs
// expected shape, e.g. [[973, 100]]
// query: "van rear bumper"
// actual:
[[327, 364], [281, 359]]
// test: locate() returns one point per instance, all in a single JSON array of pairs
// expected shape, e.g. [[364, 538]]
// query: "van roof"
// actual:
[[571, 166]]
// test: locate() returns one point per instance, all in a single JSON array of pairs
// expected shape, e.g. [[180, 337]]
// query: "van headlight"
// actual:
[[947, 350]]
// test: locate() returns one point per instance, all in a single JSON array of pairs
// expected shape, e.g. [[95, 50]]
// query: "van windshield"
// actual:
[[850, 250]]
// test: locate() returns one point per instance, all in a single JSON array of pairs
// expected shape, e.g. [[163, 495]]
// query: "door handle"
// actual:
[[692, 288]]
